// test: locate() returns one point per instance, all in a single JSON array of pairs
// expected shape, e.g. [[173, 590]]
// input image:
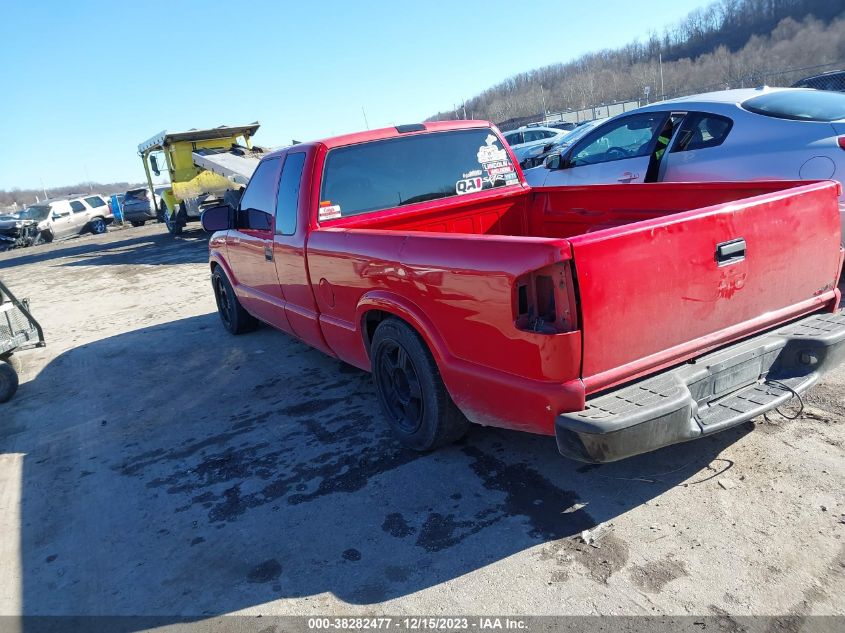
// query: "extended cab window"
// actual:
[[255, 210], [76, 206], [399, 171], [288, 200], [700, 131]]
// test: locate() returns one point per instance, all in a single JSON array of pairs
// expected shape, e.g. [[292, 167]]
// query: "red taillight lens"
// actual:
[[544, 301], [841, 141]]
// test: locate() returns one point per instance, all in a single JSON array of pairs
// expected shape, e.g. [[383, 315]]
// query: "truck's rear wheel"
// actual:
[[410, 390], [235, 319]]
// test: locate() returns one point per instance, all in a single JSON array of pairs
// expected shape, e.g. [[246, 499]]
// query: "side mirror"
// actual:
[[217, 218], [553, 162], [154, 166]]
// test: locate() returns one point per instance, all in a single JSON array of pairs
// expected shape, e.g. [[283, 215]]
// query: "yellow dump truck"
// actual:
[[206, 167]]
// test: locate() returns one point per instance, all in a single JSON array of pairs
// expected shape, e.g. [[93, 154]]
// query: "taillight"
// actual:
[[841, 141], [544, 300]]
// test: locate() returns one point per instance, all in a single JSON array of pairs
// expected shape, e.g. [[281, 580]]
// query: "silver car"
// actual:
[[526, 138], [732, 135]]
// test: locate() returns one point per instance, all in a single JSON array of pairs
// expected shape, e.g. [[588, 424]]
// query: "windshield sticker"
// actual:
[[472, 174], [469, 185], [490, 153], [331, 212]]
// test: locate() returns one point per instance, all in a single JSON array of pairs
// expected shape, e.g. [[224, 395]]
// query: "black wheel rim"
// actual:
[[400, 385], [224, 302]]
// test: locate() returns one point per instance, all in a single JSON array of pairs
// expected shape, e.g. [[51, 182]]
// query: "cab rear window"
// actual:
[[409, 169], [799, 105]]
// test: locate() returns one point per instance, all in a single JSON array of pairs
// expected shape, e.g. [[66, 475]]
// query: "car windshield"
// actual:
[[33, 213], [408, 169], [577, 133], [799, 105]]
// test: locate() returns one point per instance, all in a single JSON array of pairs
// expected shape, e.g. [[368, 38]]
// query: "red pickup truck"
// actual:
[[619, 319]]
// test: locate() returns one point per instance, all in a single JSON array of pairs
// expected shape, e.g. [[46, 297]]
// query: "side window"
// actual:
[[255, 210], [534, 135], [700, 131], [627, 138], [95, 201], [548, 134], [76, 206], [288, 198], [515, 138]]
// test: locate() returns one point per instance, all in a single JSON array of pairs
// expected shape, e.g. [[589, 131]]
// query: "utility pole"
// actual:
[[464, 106], [43, 188], [366, 123], [660, 63], [543, 96]]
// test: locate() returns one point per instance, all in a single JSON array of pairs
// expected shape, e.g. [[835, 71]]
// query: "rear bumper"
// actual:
[[706, 395]]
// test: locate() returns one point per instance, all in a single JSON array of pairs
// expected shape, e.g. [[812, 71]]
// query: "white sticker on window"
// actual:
[[329, 213], [469, 185], [489, 152]]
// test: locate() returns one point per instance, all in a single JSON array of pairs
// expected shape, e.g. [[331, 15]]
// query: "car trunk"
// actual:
[[665, 272]]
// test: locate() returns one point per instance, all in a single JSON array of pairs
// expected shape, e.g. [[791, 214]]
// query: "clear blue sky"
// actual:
[[85, 82]]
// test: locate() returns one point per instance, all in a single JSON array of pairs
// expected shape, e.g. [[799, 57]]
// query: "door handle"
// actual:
[[730, 252], [268, 252], [627, 176]]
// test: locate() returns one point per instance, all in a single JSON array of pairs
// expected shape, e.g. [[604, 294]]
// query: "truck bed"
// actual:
[[635, 265]]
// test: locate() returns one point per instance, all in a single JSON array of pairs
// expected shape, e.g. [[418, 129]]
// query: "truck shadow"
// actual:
[[190, 247], [261, 470]]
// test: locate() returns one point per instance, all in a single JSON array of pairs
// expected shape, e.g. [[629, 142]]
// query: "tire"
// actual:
[[13, 360], [174, 224], [235, 319], [8, 381], [98, 226], [137, 222], [410, 390], [47, 236]]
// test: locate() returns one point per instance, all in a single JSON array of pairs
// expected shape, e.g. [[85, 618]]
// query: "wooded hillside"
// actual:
[[727, 44]]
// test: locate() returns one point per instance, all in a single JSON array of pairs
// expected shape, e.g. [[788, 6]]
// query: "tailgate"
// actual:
[[664, 290]]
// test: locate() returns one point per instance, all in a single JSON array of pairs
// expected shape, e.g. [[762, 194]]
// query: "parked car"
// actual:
[[525, 138], [98, 211], [732, 135], [138, 208], [831, 80], [418, 253], [26, 227], [536, 156], [55, 219]]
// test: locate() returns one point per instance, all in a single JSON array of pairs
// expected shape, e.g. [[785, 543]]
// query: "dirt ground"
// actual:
[[153, 464]]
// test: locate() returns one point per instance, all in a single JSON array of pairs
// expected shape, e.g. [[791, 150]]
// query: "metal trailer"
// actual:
[[206, 167], [18, 330]]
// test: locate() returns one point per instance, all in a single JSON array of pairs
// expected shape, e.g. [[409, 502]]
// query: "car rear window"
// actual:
[[799, 105], [136, 194], [95, 201], [409, 169]]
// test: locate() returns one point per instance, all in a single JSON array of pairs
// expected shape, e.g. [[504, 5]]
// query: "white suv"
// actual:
[[72, 216]]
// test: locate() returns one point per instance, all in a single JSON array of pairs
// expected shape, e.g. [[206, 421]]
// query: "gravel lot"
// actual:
[[152, 464]]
